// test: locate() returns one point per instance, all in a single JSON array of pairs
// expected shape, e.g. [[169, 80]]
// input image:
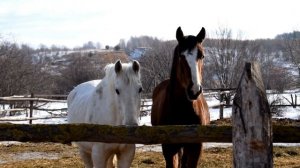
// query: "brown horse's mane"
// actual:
[[173, 67]]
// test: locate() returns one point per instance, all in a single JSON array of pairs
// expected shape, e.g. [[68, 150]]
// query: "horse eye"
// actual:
[[117, 91], [140, 90], [200, 54]]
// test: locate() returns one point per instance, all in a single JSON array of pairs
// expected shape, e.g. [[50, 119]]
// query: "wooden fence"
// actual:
[[145, 103], [34, 99], [27, 103], [222, 92], [251, 133]]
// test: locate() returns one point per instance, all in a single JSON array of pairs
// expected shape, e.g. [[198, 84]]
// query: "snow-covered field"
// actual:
[[289, 112]]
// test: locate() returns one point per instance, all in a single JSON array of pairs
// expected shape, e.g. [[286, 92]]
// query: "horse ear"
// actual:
[[135, 66], [118, 66], [201, 35], [179, 34]]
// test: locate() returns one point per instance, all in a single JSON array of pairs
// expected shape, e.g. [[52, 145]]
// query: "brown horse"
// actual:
[[179, 100]]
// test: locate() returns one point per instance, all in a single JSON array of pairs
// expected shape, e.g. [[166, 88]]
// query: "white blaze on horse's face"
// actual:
[[128, 89], [191, 58]]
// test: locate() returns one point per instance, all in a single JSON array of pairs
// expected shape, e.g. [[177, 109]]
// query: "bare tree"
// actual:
[[142, 41], [122, 44], [21, 72], [89, 45], [224, 61], [292, 48], [156, 64], [98, 45], [80, 67]]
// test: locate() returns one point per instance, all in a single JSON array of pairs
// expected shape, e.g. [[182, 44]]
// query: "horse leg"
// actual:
[[172, 154], [125, 156], [101, 156], [111, 163], [87, 158], [191, 155]]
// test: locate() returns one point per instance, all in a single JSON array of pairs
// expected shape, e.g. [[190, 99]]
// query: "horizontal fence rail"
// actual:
[[30, 99], [66, 133], [31, 118]]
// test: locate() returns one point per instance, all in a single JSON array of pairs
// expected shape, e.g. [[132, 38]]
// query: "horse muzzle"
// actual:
[[193, 93], [131, 121]]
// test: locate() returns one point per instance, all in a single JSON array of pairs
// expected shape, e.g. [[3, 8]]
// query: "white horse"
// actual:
[[114, 100]]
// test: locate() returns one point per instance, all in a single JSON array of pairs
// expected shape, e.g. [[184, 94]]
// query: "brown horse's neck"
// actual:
[[174, 64]]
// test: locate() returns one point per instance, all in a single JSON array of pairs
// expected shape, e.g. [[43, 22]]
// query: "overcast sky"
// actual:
[[74, 22]]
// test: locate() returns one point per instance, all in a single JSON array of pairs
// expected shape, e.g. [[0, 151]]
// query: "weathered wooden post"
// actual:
[[251, 122]]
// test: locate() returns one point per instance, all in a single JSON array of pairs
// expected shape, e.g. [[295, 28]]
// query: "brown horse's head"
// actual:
[[188, 63]]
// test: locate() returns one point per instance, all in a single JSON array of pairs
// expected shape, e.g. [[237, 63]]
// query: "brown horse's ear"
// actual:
[[201, 35], [179, 34], [118, 66], [135, 66]]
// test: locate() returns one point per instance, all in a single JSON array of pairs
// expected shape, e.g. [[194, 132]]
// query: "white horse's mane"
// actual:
[[127, 73]]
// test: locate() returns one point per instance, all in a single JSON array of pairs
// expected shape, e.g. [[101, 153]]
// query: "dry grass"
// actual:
[[43, 155], [67, 156]]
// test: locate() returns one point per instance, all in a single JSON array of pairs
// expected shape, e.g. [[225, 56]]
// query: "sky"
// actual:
[[71, 23]]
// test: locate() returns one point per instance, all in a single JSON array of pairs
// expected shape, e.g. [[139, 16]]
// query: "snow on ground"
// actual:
[[292, 113], [42, 114], [289, 112]]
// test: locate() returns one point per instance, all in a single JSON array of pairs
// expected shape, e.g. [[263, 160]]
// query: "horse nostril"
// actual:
[[132, 124], [196, 89], [194, 92], [201, 89]]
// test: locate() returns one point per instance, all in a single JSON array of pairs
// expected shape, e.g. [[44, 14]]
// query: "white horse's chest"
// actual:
[[104, 111]]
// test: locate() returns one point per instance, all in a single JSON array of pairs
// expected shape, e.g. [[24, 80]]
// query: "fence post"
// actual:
[[221, 104], [251, 122], [31, 108], [295, 100], [294, 103]]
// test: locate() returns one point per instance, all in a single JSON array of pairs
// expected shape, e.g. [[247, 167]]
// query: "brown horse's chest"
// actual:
[[181, 113]]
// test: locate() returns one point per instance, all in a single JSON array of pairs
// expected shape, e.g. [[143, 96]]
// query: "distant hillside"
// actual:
[[109, 56], [289, 36], [80, 66], [92, 58]]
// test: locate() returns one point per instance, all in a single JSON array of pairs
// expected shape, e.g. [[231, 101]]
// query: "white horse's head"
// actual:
[[128, 88]]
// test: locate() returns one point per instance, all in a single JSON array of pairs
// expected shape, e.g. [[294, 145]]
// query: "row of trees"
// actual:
[[25, 70], [224, 60], [90, 45], [20, 72], [292, 47], [81, 67]]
